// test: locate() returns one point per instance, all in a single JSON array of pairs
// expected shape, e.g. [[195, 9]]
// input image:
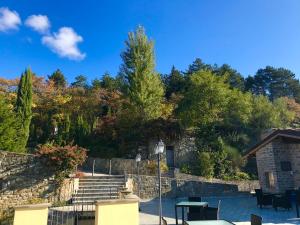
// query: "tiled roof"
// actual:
[[290, 133]]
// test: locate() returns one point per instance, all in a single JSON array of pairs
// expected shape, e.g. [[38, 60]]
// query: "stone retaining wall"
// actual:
[[189, 186], [119, 166], [25, 178]]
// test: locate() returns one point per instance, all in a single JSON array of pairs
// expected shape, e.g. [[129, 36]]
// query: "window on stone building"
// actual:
[[270, 182], [286, 166]]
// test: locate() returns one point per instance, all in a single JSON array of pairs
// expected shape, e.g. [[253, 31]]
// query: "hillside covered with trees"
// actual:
[[113, 115]]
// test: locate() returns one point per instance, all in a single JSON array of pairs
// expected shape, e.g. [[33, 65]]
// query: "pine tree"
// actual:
[[23, 106], [174, 82], [80, 81], [58, 79], [145, 87]]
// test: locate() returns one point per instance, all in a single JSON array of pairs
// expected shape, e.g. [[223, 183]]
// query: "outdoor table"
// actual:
[[184, 204], [209, 222]]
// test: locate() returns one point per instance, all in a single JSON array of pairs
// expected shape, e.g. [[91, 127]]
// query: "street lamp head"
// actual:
[[160, 147], [138, 157]]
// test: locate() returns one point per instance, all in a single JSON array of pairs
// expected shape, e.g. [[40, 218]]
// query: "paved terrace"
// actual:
[[235, 209]]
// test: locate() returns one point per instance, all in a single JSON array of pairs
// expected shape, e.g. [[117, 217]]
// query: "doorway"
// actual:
[[170, 156]]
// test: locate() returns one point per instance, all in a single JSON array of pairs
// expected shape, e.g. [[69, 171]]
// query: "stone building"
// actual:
[[278, 160]]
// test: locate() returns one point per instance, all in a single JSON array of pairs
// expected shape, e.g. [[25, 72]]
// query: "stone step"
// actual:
[[82, 190], [96, 186], [95, 194], [93, 199], [101, 182], [90, 201], [103, 177]]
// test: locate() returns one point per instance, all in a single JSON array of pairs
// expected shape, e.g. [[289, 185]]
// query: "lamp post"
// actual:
[[138, 158], [159, 148]]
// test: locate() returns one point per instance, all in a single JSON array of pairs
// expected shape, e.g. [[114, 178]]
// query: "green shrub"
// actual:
[[237, 176], [185, 168], [152, 167], [204, 166], [6, 217]]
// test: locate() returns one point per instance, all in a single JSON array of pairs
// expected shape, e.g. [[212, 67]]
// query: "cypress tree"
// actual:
[[23, 106]]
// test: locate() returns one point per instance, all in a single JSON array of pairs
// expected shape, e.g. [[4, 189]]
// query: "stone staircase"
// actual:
[[92, 188]]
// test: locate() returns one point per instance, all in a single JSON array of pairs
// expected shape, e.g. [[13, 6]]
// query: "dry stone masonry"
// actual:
[[25, 178], [186, 185]]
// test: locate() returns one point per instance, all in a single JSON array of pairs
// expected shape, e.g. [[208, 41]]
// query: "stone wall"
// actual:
[[266, 163], [119, 166], [269, 159], [25, 178], [282, 152], [188, 186], [184, 149]]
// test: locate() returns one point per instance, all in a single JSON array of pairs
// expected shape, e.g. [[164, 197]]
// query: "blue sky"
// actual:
[[87, 37]]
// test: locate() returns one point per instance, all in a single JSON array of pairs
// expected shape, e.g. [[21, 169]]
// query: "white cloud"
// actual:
[[64, 43], [9, 20], [39, 23]]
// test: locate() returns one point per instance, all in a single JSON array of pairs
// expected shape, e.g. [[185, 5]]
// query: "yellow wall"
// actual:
[[31, 215], [117, 212]]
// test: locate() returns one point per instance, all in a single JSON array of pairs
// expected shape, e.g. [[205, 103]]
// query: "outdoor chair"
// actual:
[[194, 209], [291, 195], [212, 213], [164, 222], [256, 220], [281, 201], [263, 199], [195, 213], [194, 199]]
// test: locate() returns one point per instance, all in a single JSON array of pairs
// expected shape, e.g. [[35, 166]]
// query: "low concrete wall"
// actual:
[[31, 214], [116, 212], [175, 187]]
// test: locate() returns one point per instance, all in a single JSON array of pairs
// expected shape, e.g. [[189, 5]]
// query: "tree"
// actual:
[[198, 65], [266, 115], [274, 83], [293, 107], [174, 82], [234, 78], [80, 81], [9, 125], [110, 83], [144, 86], [23, 106], [58, 79], [205, 99], [96, 83]]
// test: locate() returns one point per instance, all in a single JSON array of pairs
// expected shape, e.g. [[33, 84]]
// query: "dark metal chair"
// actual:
[[195, 213], [256, 220], [282, 201], [263, 199], [194, 199], [212, 213]]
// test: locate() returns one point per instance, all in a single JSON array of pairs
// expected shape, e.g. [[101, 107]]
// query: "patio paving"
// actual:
[[234, 209]]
